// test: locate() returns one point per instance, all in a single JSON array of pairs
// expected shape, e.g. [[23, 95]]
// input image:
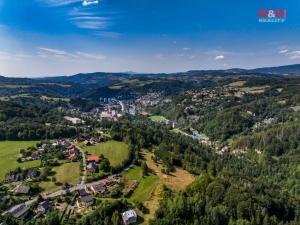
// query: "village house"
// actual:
[[44, 207], [94, 158], [20, 212], [108, 181], [74, 120], [23, 190], [10, 178], [98, 189], [129, 217], [92, 167], [144, 114], [88, 143], [32, 174], [82, 192], [85, 201]]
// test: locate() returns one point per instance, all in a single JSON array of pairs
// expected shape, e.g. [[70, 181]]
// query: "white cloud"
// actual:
[[90, 22], [89, 2], [54, 51], [60, 2], [10, 56], [91, 56], [283, 51], [76, 11], [293, 55], [62, 54], [186, 49], [219, 57]]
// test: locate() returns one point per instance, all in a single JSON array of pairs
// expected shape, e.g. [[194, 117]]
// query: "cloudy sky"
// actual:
[[64, 37]]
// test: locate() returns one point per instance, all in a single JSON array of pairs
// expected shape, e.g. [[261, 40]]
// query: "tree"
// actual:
[[115, 219], [145, 169]]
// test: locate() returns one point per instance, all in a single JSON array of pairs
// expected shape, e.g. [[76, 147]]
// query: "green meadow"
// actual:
[[9, 152], [116, 152]]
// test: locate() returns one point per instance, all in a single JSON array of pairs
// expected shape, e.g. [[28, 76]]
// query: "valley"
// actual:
[[144, 142]]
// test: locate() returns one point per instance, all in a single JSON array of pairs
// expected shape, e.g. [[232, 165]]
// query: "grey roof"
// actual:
[[91, 166], [44, 205], [20, 211], [32, 173], [22, 189], [82, 192], [87, 198]]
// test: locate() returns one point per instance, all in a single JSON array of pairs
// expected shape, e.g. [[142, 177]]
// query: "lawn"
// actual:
[[158, 118], [116, 152], [146, 184], [68, 173], [9, 151], [145, 188], [65, 173], [135, 173]]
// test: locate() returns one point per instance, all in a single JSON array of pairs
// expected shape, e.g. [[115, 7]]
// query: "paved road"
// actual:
[[82, 186], [77, 187]]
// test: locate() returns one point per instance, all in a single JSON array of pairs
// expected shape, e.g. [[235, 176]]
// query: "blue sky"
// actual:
[[63, 37]]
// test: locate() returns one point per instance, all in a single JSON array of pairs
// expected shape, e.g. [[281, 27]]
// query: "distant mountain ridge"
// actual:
[[288, 69], [101, 79]]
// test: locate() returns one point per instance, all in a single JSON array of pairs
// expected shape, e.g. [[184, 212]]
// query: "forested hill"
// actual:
[[257, 181]]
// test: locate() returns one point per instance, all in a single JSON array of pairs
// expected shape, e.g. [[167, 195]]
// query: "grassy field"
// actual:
[[146, 184], [116, 152], [65, 173], [135, 173], [9, 151], [145, 188], [158, 118], [68, 173], [49, 187]]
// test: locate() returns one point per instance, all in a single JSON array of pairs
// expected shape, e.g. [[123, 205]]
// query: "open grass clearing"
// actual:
[[65, 173], [135, 173], [177, 180], [68, 173], [116, 152], [237, 83], [158, 118], [145, 188], [9, 152]]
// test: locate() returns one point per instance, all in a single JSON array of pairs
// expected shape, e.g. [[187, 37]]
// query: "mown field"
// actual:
[[146, 184], [158, 118], [65, 173], [9, 151], [116, 152]]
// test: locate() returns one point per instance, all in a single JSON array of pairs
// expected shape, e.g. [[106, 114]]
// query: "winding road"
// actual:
[[77, 187]]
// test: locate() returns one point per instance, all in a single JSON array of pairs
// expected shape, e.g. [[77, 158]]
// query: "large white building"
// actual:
[[129, 217]]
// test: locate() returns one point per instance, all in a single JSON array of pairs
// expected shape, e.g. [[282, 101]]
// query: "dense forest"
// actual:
[[32, 122]]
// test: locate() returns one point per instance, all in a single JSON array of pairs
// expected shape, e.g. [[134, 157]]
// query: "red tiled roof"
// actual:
[[71, 156], [93, 158]]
